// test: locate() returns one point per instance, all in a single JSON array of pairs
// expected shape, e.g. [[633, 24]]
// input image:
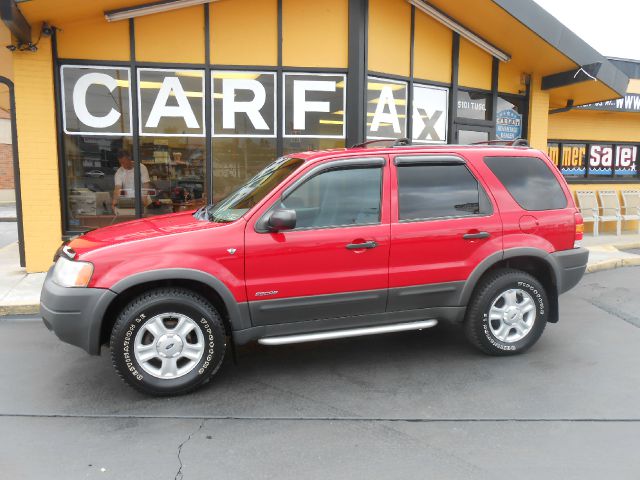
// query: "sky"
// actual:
[[609, 26]]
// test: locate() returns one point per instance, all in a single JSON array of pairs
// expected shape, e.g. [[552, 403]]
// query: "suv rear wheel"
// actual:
[[168, 341], [508, 313]]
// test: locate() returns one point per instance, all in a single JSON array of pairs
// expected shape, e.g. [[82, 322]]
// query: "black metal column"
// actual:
[[357, 73], [453, 101], [135, 136], [16, 167]]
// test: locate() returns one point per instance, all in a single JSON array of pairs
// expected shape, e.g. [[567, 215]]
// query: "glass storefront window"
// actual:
[[97, 125], [553, 151], [386, 108], [601, 160], [96, 100], [509, 123], [474, 105], [293, 145], [429, 117], [314, 105], [171, 102], [573, 160], [626, 160], [236, 160], [172, 173], [91, 164]]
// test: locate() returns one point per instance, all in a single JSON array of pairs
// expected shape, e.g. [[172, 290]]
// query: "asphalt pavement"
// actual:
[[407, 405]]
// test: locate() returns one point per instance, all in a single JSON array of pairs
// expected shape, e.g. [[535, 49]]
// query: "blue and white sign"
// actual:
[[508, 125]]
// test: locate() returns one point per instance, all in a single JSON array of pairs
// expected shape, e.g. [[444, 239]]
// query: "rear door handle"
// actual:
[[360, 246], [475, 236]]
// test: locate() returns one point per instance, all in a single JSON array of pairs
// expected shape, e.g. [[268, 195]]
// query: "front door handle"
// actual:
[[475, 236], [360, 246]]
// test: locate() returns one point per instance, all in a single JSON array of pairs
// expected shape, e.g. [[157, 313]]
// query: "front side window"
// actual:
[[248, 195], [345, 197], [439, 191]]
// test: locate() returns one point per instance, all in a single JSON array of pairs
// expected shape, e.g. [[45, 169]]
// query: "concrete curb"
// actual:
[[6, 310], [613, 263]]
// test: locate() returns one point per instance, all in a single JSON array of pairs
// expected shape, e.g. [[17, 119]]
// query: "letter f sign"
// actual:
[[300, 103]]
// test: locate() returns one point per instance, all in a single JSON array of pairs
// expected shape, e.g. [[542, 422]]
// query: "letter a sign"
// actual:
[[171, 102]]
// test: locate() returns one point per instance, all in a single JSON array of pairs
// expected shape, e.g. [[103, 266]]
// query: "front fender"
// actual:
[[238, 311]]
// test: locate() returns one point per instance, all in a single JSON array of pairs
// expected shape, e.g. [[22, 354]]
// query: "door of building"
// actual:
[[470, 134]]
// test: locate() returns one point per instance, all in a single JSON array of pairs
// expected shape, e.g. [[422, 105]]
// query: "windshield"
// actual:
[[239, 202]]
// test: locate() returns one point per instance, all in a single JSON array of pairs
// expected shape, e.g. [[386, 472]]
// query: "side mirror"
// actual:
[[281, 219]]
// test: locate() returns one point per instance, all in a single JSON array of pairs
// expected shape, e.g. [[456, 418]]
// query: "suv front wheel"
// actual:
[[508, 313], [168, 341]]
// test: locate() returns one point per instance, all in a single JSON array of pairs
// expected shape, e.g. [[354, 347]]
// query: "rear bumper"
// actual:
[[571, 265], [75, 314]]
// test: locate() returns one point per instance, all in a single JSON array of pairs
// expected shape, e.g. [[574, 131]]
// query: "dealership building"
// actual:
[[178, 102]]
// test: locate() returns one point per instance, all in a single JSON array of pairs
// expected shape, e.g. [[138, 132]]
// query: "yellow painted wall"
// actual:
[[176, 36], [510, 79], [6, 65], [595, 126], [35, 116], [474, 67], [255, 43], [315, 34], [389, 36], [538, 115], [94, 39], [432, 49]]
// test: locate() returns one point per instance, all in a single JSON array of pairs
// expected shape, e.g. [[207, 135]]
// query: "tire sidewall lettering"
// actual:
[[539, 301], [128, 355]]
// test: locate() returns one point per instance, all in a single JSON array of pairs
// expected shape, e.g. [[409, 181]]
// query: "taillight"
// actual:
[[579, 230]]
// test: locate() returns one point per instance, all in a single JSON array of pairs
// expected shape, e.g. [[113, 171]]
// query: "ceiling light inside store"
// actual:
[[149, 8], [240, 75], [380, 86], [459, 29]]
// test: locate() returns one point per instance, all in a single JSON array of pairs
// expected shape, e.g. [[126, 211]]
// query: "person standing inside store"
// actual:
[[124, 178]]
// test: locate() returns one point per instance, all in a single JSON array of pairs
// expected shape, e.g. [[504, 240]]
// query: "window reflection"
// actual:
[[175, 169], [91, 166], [236, 160]]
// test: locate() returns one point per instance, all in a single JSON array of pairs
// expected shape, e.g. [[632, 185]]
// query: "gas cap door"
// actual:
[[528, 224]]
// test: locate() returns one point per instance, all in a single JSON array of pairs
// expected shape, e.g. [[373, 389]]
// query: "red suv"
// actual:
[[323, 245]]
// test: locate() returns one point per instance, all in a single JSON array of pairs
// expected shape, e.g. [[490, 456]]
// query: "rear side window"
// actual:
[[436, 191], [529, 181]]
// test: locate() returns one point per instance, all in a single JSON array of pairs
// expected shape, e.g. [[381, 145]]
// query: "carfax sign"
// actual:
[[508, 125]]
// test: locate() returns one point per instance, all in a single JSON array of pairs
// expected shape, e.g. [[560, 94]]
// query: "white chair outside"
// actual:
[[631, 208], [589, 208], [611, 211]]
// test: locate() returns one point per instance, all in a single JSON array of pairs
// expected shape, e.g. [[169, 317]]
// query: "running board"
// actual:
[[346, 333]]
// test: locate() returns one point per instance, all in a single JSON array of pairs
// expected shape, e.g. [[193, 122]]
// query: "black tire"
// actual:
[[157, 302], [479, 330]]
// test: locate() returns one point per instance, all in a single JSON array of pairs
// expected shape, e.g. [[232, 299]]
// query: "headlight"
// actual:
[[68, 273]]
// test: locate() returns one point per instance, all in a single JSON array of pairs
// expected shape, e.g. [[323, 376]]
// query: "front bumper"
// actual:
[[570, 267], [75, 314]]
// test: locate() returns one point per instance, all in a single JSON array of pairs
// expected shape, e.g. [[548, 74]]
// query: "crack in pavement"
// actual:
[[179, 474]]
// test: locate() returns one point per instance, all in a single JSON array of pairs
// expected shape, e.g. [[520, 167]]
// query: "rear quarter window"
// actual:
[[529, 181]]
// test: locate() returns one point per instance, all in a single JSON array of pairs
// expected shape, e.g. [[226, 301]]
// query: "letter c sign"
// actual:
[[96, 100]]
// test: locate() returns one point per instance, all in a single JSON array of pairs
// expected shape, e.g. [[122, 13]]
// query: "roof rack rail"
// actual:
[[397, 142], [518, 142]]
